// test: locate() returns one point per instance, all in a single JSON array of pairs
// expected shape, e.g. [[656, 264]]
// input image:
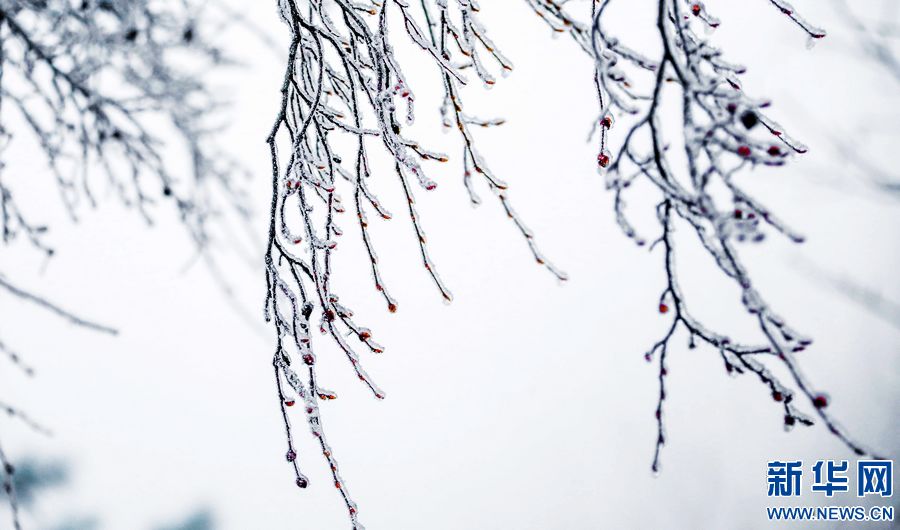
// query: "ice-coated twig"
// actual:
[[344, 94], [725, 133], [100, 92]]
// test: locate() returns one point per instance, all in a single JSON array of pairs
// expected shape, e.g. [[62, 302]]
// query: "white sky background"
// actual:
[[523, 404]]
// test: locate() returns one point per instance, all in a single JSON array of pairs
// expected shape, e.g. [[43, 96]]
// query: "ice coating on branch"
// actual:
[[724, 134], [104, 92], [345, 94]]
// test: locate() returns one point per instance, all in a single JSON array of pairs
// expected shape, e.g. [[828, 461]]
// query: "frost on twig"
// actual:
[[725, 133], [344, 94], [98, 89]]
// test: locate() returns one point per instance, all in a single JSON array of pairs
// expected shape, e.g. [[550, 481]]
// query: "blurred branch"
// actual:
[[866, 297], [58, 311], [878, 39], [100, 88], [344, 86], [9, 488]]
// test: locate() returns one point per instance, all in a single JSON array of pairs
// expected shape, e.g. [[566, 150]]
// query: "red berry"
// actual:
[[289, 403], [302, 482], [309, 359], [744, 151], [695, 9], [820, 401], [777, 396], [663, 308], [291, 455], [392, 307], [606, 121], [774, 150], [603, 159]]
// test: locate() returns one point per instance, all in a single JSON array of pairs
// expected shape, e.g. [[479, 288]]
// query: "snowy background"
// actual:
[[524, 404]]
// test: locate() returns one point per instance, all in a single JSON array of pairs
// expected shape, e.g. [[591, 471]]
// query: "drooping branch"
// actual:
[[99, 89], [344, 86], [9, 488], [876, 33], [725, 133]]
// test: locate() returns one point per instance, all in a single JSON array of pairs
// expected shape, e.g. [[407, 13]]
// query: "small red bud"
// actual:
[[774, 150], [777, 396], [289, 403], [695, 9], [744, 151], [820, 401], [291, 455], [603, 159], [663, 308]]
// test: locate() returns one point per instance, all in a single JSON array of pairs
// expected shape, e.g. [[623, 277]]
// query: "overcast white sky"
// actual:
[[524, 404]]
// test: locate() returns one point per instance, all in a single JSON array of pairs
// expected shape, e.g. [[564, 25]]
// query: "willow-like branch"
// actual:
[[345, 94], [725, 133], [98, 89]]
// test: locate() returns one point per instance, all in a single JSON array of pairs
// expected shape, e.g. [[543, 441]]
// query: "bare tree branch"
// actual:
[[725, 133], [343, 80]]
